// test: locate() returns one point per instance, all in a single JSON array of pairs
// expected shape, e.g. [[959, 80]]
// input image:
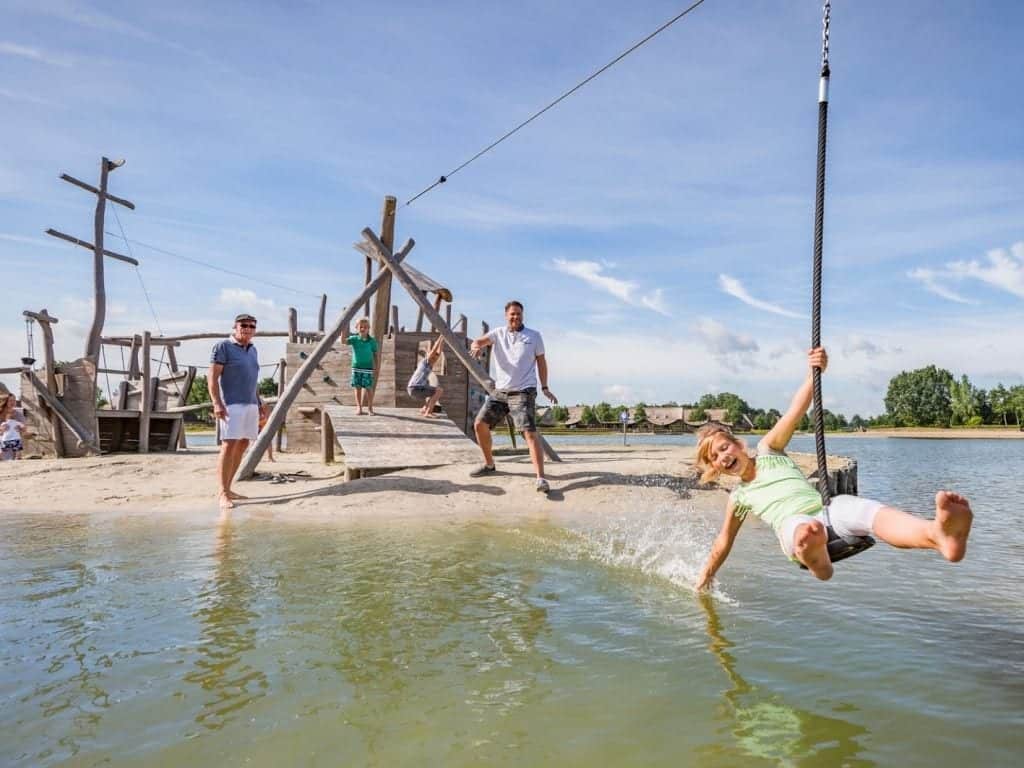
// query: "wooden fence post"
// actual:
[[146, 395]]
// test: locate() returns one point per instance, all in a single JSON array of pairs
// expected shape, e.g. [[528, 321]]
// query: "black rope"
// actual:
[[819, 219], [535, 115]]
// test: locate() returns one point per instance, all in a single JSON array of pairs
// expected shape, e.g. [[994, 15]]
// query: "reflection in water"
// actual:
[[228, 632], [766, 728]]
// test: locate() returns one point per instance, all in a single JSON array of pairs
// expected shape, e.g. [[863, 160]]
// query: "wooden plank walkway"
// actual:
[[397, 438]]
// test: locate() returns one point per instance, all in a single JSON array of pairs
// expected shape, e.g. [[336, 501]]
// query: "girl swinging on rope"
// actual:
[[773, 488]]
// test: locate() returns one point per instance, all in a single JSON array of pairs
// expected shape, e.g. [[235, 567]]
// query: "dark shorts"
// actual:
[[14, 446], [522, 406], [421, 392], [362, 379]]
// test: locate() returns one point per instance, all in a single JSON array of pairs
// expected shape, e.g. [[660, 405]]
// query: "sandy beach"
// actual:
[[589, 478]]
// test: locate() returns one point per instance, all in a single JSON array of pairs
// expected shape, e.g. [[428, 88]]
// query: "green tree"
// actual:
[[587, 417], [604, 412], [267, 387], [101, 399], [920, 398], [200, 393], [805, 425], [857, 422], [999, 400], [560, 413], [640, 413], [963, 401]]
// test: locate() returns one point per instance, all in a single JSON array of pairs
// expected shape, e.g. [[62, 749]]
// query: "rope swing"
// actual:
[[839, 547]]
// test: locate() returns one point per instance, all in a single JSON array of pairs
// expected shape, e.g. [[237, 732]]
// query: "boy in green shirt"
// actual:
[[364, 363]]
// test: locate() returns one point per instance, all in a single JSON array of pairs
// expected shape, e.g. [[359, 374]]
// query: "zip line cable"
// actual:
[[216, 268], [138, 272], [535, 115]]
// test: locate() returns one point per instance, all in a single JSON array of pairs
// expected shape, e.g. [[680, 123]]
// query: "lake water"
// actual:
[[135, 641]]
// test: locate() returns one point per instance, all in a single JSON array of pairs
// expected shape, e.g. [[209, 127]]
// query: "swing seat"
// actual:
[[842, 547]]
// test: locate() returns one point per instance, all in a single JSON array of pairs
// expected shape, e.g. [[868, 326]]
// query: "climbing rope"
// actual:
[[535, 115], [819, 218]]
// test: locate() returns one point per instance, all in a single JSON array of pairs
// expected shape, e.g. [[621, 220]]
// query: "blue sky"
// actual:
[[657, 224]]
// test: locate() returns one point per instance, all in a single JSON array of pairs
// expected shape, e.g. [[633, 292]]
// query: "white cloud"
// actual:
[[854, 344], [733, 351], [735, 288], [1002, 269], [34, 54], [619, 394], [929, 278], [627, 291], [243, 298]]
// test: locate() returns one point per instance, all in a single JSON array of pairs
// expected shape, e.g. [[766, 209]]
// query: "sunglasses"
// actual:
[[247, 325]]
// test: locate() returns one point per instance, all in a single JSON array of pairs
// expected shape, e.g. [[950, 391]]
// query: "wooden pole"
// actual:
[[259, 446], [133, 358], [448, 315], [457, 347], [322, 316], [382, 299], [326, 437], [367, 276], [146, 396], [282, 367], [172, 359], [92, 344], [394, 318], [85, 437], [463, 325], [293, 325], [45, 320]]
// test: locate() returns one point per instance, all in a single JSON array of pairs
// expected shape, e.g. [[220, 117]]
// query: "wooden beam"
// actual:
[[394, 319], [133, 357], [45, 320], [382, 299], [85, 437], [19, 369], [146, 407], [457, 347], [282, 367], [322, 316], [172, 358], [259, 446], [463, 325], [293, 324], [91, 247], [91, 188]]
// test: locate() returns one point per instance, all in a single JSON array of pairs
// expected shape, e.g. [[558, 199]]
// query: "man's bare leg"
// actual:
[[536, 453], [236, 462], [810, 547], [947, 533], [225, 471], [359, 401], [483, 439]]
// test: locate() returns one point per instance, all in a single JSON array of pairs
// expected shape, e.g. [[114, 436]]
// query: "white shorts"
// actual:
[[242, 423], [849, 515]]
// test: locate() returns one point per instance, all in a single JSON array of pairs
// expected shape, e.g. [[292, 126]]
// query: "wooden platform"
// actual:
[[397, 438]]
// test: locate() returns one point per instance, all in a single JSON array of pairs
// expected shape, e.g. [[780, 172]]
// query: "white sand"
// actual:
[[588, 478]]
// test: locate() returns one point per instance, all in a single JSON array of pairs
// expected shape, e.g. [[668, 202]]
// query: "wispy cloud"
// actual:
[[735, 288], [1002, 268], [35, 54], [619, 394], [592, 273], [245, 299], [932, 281], [732, 350]]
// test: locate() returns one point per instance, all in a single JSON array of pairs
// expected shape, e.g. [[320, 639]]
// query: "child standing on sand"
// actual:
[[364, 363], [773, 488], [419, 383], [10, 438]]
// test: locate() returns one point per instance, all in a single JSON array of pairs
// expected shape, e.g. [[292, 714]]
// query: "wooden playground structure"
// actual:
[[311, 411]]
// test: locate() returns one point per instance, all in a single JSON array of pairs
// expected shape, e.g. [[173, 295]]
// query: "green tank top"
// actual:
[[779, 490]]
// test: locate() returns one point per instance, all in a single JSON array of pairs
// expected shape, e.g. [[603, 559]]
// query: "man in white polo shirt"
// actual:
[[518, 358], [234, 390]]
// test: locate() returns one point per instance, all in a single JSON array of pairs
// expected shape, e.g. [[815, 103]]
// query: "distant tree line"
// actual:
[[925, 397]]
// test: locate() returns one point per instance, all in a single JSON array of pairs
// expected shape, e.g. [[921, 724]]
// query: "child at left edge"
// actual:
[[364, 363]]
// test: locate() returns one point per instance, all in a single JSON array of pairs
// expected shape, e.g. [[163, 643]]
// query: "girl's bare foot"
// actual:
[[226, 502], [810, 545], [952, 523], [236, 496]]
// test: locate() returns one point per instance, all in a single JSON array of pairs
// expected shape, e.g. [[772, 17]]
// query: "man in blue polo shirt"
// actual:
[[234, 380]]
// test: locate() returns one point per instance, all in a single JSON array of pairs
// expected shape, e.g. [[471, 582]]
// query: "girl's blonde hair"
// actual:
[[705, 436]]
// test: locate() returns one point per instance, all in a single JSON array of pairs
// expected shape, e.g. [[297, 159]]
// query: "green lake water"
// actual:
[[126, 640]]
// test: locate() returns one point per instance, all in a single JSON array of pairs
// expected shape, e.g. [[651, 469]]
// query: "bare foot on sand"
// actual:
[[226, 502], [810, 545], [236, 496], [953, 518]]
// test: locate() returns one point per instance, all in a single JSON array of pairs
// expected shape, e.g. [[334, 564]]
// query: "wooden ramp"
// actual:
[[394, 438]]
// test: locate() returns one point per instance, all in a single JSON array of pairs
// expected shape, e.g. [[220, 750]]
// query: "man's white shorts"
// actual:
[[242, 423], [850, 516]]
